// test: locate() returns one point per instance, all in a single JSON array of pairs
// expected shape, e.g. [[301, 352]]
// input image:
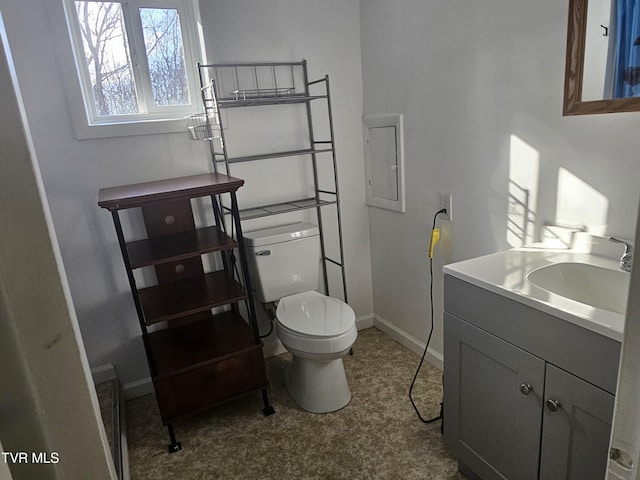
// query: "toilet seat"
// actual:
[[315, 315], [310, 324]]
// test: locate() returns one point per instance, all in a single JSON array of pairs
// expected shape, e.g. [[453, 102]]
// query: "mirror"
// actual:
[[602, 72]]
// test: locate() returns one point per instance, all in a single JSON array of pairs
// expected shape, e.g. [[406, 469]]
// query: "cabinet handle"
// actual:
[[526, 388], [553, 405]]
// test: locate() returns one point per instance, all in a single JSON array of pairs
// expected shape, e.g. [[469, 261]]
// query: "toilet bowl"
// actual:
[[318, 331]]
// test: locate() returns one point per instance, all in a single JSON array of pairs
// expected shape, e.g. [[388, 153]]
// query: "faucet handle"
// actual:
[[628, 248], [627, 257]]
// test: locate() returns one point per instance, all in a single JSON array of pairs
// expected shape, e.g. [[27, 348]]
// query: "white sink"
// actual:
[[592, 285]]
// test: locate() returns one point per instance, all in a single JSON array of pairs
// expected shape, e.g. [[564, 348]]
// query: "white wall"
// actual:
[[48, 403], [480, 86], [74, 171], [596, 50]]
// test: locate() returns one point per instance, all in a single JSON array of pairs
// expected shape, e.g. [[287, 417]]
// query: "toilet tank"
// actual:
[[283, 260]]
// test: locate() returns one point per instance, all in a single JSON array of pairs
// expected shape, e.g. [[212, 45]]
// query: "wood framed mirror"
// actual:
[[579, 70]]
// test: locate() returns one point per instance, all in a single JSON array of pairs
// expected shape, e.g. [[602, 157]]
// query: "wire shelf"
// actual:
[[203, 126], [244, 82], [285, 207], [262, 93]]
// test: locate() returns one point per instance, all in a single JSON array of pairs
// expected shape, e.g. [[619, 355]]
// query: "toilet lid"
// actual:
[[312, 313]]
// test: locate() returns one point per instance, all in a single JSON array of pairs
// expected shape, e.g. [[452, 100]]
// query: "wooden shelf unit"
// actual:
[[201, 358]]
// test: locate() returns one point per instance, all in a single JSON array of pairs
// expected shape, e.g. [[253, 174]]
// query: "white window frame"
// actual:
[[152, 119]]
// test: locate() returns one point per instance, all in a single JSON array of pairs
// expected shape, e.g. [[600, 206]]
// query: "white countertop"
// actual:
[[505, 273]]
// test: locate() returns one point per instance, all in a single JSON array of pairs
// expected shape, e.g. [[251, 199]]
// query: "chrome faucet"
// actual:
[[627, 256]]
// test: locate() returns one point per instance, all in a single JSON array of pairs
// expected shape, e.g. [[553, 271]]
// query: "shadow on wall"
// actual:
[[578, 205]]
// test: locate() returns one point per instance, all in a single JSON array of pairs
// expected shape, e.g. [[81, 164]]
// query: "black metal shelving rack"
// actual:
[[227, 86]]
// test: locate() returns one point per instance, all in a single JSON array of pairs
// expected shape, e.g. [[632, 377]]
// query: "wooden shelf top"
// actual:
[[129, 196]]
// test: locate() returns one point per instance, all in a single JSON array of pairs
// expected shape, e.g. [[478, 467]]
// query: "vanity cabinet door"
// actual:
[[492, 403], [576, 428]]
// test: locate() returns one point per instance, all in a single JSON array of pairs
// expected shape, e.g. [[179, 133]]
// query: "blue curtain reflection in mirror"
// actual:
[[626, 33]]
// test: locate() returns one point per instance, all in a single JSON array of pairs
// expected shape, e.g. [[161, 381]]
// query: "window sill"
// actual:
[[127, 129]]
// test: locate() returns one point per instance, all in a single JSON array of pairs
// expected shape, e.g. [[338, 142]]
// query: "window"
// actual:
[[135, 59]]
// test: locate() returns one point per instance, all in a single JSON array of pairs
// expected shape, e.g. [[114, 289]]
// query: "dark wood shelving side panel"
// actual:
[[173, 300], [179, 246], [192, 345]]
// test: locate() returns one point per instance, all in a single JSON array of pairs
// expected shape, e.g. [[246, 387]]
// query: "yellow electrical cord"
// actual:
[[435, 236]]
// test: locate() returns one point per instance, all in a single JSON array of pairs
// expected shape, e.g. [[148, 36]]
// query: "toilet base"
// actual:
[[318, 386]]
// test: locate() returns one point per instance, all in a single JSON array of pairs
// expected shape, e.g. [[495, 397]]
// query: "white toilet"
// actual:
[[318, 330]]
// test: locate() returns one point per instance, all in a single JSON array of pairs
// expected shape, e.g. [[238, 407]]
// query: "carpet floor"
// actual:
[[376, 436]]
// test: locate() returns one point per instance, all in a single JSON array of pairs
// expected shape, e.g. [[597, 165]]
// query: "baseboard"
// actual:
[[433, 357], [138, 388], [107, 374], [103, 373], [273, 349], [365, 321]]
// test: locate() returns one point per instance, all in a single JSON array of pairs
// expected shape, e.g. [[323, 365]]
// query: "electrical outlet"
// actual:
[[446, 201]]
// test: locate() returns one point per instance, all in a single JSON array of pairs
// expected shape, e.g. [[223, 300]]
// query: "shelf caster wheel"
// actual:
[[174, 446], [268, 409]]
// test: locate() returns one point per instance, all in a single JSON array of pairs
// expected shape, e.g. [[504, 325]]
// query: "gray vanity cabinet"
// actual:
[[491, 415], [575, 437], [515, 407]]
